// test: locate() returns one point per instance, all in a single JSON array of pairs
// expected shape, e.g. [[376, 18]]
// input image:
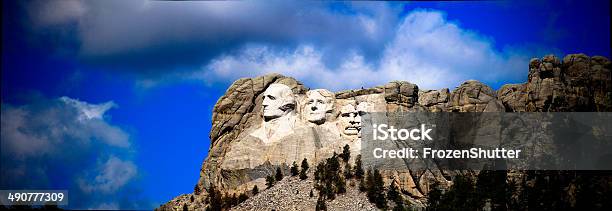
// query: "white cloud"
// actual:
[[51, 13], [109, 176], [38, 130], [48, 143], [426, 49], [89, 111], [159, 40]]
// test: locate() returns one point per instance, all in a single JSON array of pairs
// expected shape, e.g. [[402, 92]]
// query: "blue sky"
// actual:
[[113, 100]]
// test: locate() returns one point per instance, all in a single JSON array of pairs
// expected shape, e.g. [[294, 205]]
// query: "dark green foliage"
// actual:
[[348, 173], [311, 193], [340, 185], [191, 198], [539, 190], [492, 186], [243, 197], [279, 174], [460, 196], [321, 204], [593, 189], [375, 189], [358, 167], [215, 199], [304, 169], [294, 169], [434, 196], [328, 178], [346, 153], [255, 190], [399, 207], [546, 189], [230, 201], [270, 181], [362, 185], [394, 195]]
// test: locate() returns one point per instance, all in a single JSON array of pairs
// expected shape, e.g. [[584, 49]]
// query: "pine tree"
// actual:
[[215, 199], [185, 207], [358, 168], [346, 153], [304, 169], [311, 193], [379, 189], [340, 185], [399, 207], [321, 204], [375, 189], [393, 194], [348, 173], [491, 185], [233, 200], [461, 195], [362, 185], [294, 169], [369, 180], [279, 174], [255, 190], [434, 196], [270, 181], [243, 197]]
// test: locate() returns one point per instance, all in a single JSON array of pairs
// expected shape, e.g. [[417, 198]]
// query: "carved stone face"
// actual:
[[350, 119], [278, 100], [318, 105]]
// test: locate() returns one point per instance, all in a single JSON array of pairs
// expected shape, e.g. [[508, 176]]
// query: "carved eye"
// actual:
[[361, 113], [346, 114], [271, 97], [310, 101], [320, 101]]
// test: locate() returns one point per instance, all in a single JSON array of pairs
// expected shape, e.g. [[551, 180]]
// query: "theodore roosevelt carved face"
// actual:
[[350, 118], [278, 101], [319, 102]]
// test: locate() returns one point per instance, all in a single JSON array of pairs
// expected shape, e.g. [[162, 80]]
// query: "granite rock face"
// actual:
[[255, 130], [577, 83]]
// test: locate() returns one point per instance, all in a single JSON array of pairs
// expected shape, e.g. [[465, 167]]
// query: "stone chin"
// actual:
[[316, 117]]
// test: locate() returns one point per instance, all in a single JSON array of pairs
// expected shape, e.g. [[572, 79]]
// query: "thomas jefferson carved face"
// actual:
[[278, 100], [318, 103], [350, 118]]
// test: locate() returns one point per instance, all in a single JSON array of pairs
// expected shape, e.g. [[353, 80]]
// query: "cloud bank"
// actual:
[[156, 37], [67, 144], [336, 46], [426, 49]]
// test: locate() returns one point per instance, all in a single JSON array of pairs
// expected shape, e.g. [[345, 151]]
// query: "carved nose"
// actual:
[[314, 108]]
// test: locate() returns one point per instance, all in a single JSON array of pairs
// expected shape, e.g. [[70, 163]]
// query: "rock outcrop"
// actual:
[[256, 129], [578, 83]]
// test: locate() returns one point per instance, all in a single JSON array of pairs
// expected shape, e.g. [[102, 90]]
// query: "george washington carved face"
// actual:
[[278, 101], [319, 102]]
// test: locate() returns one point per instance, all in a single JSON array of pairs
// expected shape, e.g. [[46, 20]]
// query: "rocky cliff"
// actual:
[[271, 121]]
